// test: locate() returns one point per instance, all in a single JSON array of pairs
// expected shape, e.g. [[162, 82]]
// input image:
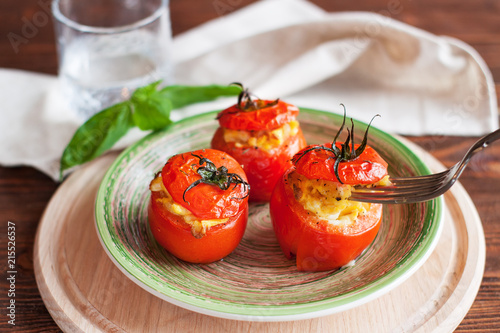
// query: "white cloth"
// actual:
[[418, 82]]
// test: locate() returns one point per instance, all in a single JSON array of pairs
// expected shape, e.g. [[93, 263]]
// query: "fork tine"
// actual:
[[392, 200], [422, 188], [405, 187], [401, 196], [394, 197], [420, 179], [397, 194], [398, 188]]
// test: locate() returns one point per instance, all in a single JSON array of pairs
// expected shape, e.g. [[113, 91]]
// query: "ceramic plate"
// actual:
[[256, 282]]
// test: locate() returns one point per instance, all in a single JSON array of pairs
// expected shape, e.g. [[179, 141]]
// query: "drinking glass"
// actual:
[[108, 48]]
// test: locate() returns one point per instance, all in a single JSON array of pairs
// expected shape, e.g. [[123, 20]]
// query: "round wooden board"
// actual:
[[84, 291]]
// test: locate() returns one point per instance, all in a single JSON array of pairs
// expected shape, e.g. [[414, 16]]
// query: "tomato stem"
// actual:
[[220, 177], [246, 103], [344, 153]]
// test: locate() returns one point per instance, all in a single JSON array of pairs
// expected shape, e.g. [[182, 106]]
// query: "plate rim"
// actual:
[[354, 298]]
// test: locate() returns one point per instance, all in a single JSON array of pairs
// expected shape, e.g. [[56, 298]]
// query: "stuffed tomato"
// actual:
[[312, 216], [198, 209], [263, 136]]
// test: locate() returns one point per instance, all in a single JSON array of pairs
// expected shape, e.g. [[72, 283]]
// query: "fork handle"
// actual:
[[485, 141], [480, 144]]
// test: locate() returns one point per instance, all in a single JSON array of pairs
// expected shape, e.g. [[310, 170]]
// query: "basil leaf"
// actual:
[[98, 134], [181, 96], [151, 108]]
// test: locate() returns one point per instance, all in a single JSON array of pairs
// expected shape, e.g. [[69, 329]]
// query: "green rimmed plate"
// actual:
[[256, 282]]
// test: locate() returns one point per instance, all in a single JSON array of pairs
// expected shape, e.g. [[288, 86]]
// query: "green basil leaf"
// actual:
[[151, 108], [142, 93], [181, 96], [98, 134]]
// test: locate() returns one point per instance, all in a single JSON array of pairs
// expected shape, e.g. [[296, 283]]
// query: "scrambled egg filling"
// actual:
[[327, 200], [198, 227], [383, 182], [266, 140]]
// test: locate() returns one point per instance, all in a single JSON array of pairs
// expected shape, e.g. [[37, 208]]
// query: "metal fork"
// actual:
[[421, 188]]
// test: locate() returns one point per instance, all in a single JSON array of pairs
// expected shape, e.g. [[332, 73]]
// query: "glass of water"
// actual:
[[108, 48]]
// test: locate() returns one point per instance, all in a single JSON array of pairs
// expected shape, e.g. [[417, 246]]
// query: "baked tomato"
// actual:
[[198, 209], [263, 136], [312, 215], [365, 169]]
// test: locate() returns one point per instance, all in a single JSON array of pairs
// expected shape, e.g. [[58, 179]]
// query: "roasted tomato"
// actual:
[[263, 136], [367, 168], [198, 209], [311, 213]]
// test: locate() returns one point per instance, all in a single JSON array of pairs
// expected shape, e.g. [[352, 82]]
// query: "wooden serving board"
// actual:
[[84, 291]]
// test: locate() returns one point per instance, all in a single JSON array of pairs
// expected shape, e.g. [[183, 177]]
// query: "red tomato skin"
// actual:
[[368, 168], [204, 201], [317, 248], [172, 233], [263, 169], [267, 118]]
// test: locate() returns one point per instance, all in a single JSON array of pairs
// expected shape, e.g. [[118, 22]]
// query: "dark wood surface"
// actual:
[[24, 192]]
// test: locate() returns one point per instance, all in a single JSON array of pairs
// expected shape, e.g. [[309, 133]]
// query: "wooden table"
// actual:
[[24, 192]]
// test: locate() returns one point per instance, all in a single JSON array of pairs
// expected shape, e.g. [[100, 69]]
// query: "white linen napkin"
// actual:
[[418, 82]]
